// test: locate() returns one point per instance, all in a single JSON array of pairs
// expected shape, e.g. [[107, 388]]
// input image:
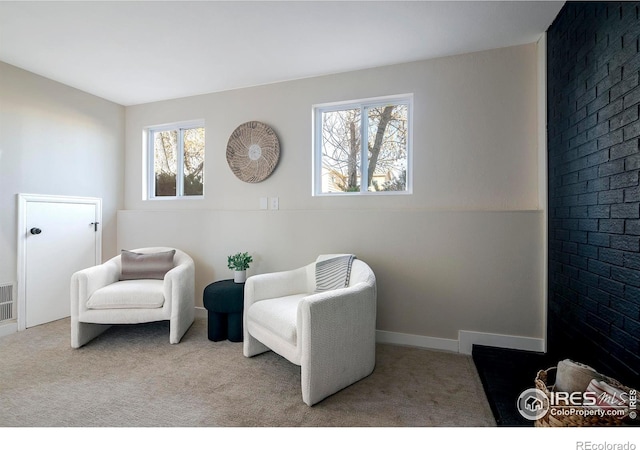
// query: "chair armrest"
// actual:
[[337, 338], [274, 285], [85, 282], [338, 315], [338, 326], [179, 287]]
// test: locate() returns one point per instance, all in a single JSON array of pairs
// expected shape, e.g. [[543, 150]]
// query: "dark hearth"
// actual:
[[505, 374]]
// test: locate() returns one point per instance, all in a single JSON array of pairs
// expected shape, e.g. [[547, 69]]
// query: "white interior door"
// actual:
[[60, 237]]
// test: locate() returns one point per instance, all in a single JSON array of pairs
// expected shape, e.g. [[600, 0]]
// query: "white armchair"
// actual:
[[329, 334], [100, 299]]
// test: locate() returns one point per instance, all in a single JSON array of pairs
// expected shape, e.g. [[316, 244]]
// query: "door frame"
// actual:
[[23, 201]]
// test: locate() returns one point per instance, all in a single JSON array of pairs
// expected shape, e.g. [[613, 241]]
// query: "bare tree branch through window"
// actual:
[[386, 130]]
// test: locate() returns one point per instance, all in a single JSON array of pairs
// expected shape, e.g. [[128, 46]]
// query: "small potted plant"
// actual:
[[239, 263]]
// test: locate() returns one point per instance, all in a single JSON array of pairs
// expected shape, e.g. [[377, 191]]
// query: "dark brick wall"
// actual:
[[593, 93]]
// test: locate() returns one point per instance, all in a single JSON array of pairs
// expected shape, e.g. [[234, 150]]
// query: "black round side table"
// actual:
[[224, 301]]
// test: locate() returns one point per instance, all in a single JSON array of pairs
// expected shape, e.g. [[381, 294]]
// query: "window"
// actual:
[[176, 160], [363, 147]]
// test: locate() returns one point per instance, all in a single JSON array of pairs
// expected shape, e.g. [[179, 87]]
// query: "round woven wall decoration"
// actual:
[[253, 151]]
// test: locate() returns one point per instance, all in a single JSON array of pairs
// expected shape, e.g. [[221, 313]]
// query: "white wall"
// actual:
[[475, 135], [60, 141], [437, 272], [464, 252]]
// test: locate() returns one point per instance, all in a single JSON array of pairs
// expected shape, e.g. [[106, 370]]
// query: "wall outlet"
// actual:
[[274, 203], [263, 203]]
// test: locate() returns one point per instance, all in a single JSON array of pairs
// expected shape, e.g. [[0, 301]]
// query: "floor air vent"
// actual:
[[7, 309]]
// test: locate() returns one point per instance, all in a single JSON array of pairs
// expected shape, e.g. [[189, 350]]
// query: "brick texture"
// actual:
[[593, 75]]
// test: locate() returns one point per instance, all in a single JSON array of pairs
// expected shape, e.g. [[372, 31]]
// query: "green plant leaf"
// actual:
[[239, 261]]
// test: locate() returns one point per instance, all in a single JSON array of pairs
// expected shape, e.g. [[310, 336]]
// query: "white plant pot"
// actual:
[[239, 276]]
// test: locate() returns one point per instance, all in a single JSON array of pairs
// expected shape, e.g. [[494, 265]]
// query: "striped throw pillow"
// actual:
[[333, 273]]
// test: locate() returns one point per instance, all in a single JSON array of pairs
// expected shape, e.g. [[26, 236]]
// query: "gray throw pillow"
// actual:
[[136, 266]]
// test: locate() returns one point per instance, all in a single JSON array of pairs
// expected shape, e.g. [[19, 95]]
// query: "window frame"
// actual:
[[362, 104], [149, 133]]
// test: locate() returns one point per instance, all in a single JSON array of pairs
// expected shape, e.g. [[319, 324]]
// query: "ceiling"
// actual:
[[145, 51]]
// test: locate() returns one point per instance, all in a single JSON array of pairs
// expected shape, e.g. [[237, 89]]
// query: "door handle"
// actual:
[[35, 230]]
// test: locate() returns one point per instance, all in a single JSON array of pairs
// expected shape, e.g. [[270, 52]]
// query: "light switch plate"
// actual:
[[275, 204], [263, 203]]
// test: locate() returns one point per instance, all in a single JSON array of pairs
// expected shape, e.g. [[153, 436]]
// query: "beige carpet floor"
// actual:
[[132, 377]]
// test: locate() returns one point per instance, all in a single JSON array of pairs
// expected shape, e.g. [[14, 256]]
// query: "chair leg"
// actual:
[[180, 324], [82, 333], [322, 377], [251, 346]]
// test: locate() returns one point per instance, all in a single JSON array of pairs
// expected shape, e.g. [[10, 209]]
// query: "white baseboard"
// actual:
[[464, 343], [413, 340], [468, 338], [8, 328]]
